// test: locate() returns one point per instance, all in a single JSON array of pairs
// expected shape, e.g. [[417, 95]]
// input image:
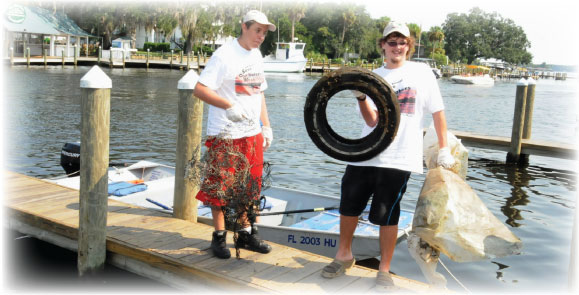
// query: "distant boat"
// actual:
[[473, 80], [431, 63], [288, 58]]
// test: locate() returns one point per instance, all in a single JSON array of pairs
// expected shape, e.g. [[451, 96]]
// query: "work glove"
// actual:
[[267, 137], [235, 113], [357, 94], [445, 159]]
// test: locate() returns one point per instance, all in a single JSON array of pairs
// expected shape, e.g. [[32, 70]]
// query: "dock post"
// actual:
[[181, 56], [189, 122], [123, 52], [28, 57], [323, 65], [75, 56], [171, 60], [311, 64], [148, 50], [513, 156], [94, 161], [111, 57], [45, 57], [188, 66], [11, 56], [99, 55], [62, 52], [199, 62], [530, 102]]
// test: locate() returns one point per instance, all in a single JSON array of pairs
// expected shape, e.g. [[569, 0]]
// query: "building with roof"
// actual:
[[40, 29]]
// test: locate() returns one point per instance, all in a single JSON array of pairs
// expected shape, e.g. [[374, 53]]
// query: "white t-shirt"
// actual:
[[418, 93], [237, 75]]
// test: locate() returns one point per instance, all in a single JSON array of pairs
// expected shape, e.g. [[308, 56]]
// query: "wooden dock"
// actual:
[[174, 251], [528, 146]]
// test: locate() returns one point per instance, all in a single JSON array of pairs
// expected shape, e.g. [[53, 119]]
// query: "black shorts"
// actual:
[[386, 186]]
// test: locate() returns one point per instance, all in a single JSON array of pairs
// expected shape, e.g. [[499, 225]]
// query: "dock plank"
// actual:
[[181, 247]]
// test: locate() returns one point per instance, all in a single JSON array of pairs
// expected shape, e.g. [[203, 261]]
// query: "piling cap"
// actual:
[[96, 78], [188, 81], [522, 82], [531, 81]]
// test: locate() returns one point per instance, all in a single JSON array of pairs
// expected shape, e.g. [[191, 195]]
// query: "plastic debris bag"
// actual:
[[452, 219], [457, 150]]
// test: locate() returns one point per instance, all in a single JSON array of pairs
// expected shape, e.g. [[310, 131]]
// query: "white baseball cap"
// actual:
[[394, 26], [258, 17]]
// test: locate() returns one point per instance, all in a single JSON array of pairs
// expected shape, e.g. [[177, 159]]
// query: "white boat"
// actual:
[[431, 63], [288, 58], [316, 232], [473, 80]]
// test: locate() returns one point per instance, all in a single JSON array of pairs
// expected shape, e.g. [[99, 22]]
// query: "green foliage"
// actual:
[[485, 35], [328, 29], [165, 47]]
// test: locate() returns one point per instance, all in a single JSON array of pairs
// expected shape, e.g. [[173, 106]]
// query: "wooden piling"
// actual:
[[148, 50], [123, 53], [529, 104], [323, 65], [111, 57], [75, 56], [94, 161], [45, 57], [62, 55], [28, 57], [171, 60], [513, 156], [99, 55], [189, 122], [188, 66]]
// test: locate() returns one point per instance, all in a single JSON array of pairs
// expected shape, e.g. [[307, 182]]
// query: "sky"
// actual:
[[550, 26]]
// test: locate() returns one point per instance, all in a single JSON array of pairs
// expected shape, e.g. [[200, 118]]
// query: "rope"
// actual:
[[463, 286], [447, 270]]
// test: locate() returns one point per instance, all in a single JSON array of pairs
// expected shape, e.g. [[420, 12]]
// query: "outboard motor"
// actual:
[[70, 158]]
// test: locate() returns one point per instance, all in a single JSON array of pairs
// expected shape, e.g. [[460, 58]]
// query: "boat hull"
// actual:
[[284, 66], [473, 80], [310, 231]]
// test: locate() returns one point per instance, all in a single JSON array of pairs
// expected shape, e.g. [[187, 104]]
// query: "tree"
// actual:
[[296, 12], [436, 36], [485, 35]]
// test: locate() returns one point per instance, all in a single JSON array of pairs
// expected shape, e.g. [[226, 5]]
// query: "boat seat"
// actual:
[[330, 221]]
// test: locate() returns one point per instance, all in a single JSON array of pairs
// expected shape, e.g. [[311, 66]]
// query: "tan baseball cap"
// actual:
[[258, 17], [394, 26]]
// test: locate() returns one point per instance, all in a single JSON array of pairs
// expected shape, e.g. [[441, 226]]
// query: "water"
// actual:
[[537, 203]]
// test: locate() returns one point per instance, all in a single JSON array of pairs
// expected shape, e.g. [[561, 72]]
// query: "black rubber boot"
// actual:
[[218, 244], [252, 241]]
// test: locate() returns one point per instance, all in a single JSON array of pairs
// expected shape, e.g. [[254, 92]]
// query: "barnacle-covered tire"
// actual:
[[331, 143]]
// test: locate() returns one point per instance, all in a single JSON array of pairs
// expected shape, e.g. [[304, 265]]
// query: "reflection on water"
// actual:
[[537, 202]]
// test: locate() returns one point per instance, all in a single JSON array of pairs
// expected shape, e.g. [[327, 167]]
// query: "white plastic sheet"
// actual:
[[449, 215]]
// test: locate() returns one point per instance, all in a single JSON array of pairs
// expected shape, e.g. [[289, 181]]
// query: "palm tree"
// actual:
[[296, 12], [436, 36]]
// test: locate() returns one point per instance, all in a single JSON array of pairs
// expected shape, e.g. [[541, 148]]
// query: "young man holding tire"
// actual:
[[232, 84], [385, 176]]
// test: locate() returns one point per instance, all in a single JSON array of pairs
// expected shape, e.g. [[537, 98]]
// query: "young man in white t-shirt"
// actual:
[[232, 84], [385, 176]]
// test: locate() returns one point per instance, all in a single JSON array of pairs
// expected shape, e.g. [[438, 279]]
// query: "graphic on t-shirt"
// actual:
[[249, 81], [407, 100]]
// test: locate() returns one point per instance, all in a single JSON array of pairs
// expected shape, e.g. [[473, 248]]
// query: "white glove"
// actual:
[[357, 93], [445, 159], [267, 137], [235, 113]]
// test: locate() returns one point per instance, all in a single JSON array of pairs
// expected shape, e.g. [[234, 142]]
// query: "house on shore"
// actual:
[[40, 29]]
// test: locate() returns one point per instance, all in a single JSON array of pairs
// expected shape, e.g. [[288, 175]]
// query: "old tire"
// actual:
[[331, 143]]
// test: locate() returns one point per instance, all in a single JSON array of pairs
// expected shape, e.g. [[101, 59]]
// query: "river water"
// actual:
[[537, 203]]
